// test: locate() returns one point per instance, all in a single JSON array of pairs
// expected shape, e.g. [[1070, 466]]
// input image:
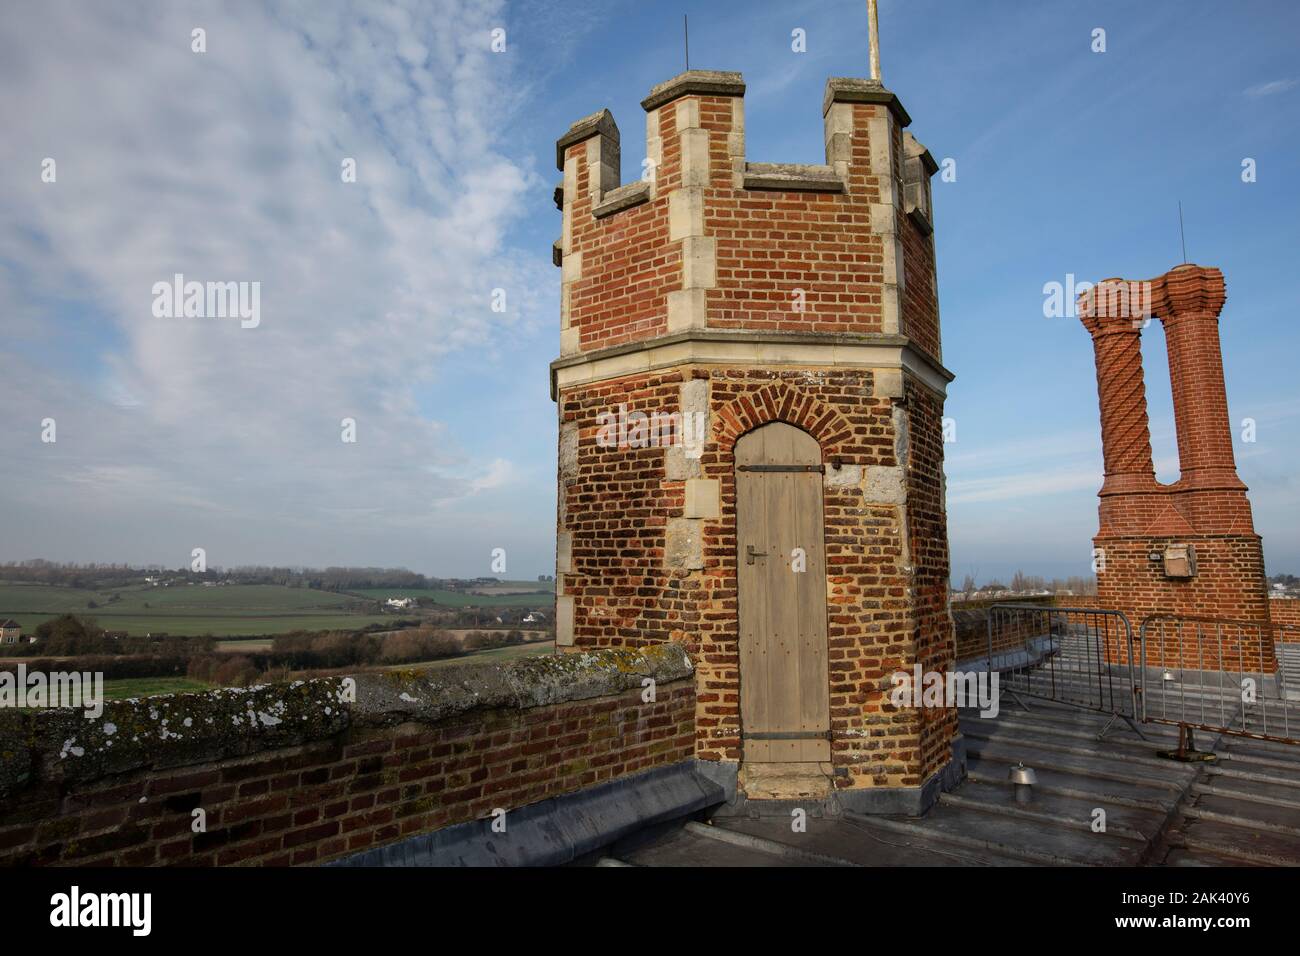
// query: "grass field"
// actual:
[[542, 595], [480, 657], [240, 610], [244, 647], [189, 610], [149, 686]]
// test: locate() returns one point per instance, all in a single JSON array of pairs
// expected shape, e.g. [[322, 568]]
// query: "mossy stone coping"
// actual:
[[177, 730]]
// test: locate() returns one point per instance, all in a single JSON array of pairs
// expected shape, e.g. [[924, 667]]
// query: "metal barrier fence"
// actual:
[[1078, 656], [1221, 676]]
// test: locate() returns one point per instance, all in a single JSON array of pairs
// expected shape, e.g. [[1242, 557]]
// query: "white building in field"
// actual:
[[400, 603], [10, 632]]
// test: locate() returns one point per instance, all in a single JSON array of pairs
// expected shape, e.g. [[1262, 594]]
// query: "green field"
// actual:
[[149, 686], [244, 646], [542, 595], [237, 610], [481, 657], [241, 610]]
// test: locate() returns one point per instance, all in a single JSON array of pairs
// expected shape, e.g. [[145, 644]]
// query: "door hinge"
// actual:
[[820, 469]]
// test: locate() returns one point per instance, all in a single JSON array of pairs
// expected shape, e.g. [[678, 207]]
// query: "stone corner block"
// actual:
[[703, 498], [887, 383], [563, 552], [564, 621], [684, 544]]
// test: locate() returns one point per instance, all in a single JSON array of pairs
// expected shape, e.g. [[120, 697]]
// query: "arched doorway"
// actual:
[[781, 581]]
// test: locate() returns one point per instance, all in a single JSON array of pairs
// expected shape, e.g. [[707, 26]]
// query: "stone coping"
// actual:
[[848, 89], [706, 82], [624, 197], [797, 177], [600, 123], [175, 730]]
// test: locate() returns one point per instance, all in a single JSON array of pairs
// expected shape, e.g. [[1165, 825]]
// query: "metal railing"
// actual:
[[1221, 676], [1083, 657]]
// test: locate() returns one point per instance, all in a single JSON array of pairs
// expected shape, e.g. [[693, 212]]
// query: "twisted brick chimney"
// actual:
[[1187, 548]]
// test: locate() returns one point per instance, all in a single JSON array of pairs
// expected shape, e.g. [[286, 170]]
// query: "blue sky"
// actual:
[[224, 165]]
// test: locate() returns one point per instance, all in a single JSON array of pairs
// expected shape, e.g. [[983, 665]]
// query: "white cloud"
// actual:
[[1270, 88], [226, 166]]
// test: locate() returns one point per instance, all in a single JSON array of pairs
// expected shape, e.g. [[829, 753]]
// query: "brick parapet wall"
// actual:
[[289, 774], [1284, 613], [709, 240]]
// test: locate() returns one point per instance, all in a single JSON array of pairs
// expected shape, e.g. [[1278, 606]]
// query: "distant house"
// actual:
[[534, 617], [10, 632], [400, 602]]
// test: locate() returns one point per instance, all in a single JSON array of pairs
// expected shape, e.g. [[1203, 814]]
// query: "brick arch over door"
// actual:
[[839, 409], [779, 402]]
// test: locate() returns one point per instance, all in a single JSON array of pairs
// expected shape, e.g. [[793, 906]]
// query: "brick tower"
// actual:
[[1187, 548], [750, 400]]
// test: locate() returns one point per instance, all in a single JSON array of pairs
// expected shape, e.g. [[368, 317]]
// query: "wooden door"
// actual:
[[784, 684]]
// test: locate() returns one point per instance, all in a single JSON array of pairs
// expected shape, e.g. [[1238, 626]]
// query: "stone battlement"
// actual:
[[706, 239]]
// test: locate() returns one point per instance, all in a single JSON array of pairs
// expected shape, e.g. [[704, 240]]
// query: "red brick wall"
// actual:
[[628, 264], [927, 523], [354, 788], [769, 244], [1285, 615], [617, 510]]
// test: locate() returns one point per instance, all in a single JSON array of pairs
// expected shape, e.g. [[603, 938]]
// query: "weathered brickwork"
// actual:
[[1285, 615], [1207, 507], [325, 780], [745, 294]]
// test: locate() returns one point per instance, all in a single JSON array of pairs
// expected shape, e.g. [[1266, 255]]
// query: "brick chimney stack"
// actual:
[[1121, 392], [1188, 548], [1194, 297]]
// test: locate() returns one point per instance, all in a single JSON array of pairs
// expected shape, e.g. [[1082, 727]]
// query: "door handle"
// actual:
[[751, 554]]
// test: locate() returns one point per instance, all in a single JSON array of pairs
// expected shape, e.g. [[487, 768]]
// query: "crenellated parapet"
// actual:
[[704, 240]]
